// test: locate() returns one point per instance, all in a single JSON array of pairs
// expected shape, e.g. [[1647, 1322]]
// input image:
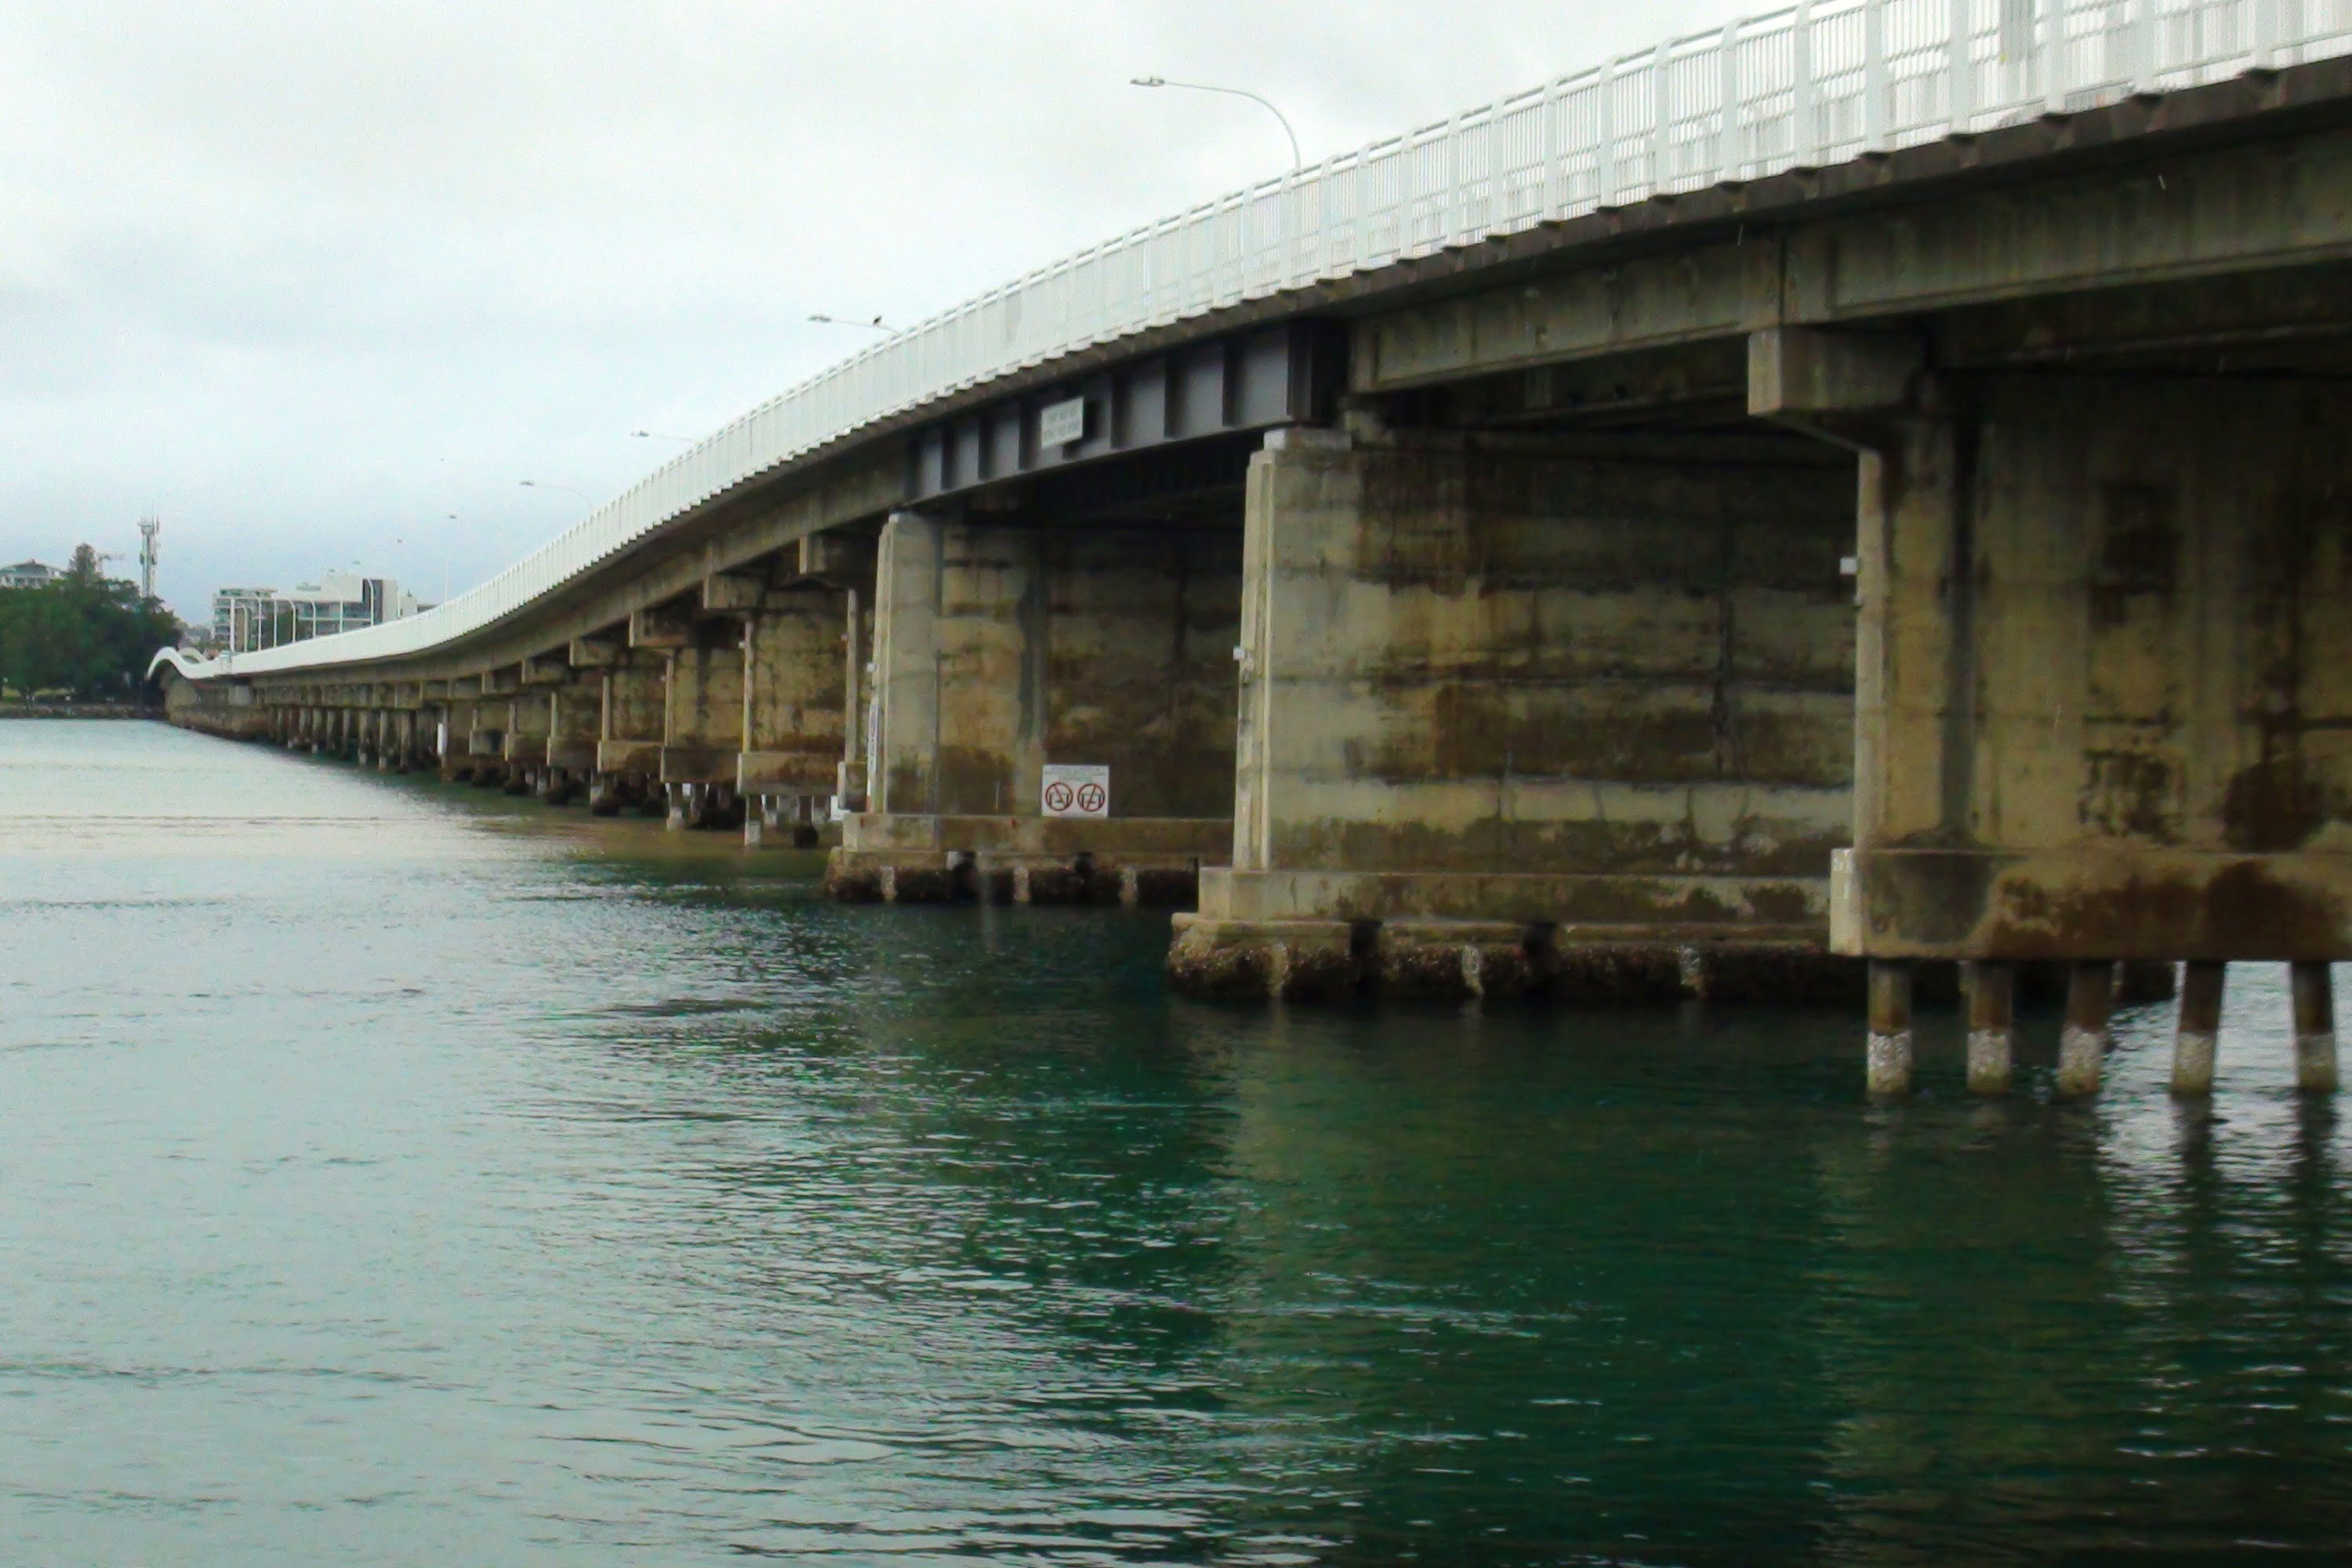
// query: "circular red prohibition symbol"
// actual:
[[1091, 799], [1058, 796]]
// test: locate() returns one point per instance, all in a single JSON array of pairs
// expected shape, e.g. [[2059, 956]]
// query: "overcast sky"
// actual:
[[308, 277]]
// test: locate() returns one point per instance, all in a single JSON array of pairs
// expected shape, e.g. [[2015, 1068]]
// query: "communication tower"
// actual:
[[150, 550]]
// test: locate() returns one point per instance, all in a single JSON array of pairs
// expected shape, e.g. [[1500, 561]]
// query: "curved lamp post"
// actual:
[[1297, 162]]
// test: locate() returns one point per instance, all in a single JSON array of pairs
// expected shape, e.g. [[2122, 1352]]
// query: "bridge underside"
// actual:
[[1942, 560]]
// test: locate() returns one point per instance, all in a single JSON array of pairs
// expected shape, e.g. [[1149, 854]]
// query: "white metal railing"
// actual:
[[1810, 84]]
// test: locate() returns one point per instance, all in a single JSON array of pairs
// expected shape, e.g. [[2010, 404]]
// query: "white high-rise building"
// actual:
[[245, 619]]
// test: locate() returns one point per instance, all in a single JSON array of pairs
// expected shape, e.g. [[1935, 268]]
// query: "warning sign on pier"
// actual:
[[1076, 789]]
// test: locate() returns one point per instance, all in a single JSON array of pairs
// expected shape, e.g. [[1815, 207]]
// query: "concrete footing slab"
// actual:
[[870, 876], [897, 858], [1457, 960]]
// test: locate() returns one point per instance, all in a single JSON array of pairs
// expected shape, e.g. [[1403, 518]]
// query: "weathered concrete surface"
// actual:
[[2104, 698], [458, 755], [526, 732], [794, 722], [215, 708], [1000, 645], [575, 723], [633, 715], [702, 713], [1599, 685], [1461, 959]]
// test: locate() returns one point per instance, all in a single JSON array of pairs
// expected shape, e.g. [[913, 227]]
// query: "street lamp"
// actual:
[[1296, 161], [658, 435], [548, 485], [876, 324]]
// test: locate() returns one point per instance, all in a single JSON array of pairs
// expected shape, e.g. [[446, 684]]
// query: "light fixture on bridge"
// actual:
[[660, 435], [876, 324], [1298, 162]]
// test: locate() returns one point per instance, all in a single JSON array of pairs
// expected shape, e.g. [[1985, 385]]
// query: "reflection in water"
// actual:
[[399, 1174]]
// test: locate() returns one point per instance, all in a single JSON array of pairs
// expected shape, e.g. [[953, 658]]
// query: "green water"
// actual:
[[394, 1173]]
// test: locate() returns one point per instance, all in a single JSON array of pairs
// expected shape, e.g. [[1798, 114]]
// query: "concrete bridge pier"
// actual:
[[493, 717], [2197, 1028], [1568, 713], [458, 717], [2313, 992], [398, 752], [524, 743], [1002, 645], [630, 719], [375, 735], [1991, 991], [370, 716], [804, 645], [703, 711], [574, 724], [2102, 697]]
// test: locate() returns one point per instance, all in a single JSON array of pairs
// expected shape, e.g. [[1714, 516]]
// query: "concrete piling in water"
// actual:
[[1890, 1028], [2082, 1042], [1991, 989], [2197, 1032], [2313, 989]]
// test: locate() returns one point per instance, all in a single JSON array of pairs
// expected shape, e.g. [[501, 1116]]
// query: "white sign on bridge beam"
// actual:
[[1076, 789]]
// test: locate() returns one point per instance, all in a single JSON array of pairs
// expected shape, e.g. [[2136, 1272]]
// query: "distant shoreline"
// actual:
[[78, 710]]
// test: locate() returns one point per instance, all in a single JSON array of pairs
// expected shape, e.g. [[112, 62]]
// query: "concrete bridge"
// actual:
[[1873, 483]]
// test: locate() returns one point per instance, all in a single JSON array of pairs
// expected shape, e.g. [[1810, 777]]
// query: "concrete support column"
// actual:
[[2197, 1033], [2082, 1041], [1579, 706], [2099, 694], [2315, 1029], [850, 787], [523, 744], [631, 719], [493, 716], [477, 736], [2098, 699], [702, 726], [1002, 643], [1991, 988], [796, 716], [574, 723], [1889, 1059]]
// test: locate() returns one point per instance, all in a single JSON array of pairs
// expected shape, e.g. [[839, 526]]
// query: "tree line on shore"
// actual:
[[84, 635]]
